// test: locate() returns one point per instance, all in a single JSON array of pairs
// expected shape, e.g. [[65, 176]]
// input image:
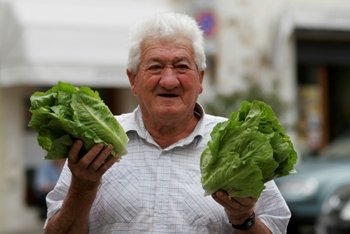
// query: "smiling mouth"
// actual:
[[168, 95]]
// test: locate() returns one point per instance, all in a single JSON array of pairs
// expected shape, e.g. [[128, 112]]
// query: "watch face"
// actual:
[[250, 223]]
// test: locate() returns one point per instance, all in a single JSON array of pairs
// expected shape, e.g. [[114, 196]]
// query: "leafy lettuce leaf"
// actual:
[[65, 113], [246, 151]]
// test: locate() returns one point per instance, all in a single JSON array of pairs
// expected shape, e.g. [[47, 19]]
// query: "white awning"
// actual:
[[81, 42]]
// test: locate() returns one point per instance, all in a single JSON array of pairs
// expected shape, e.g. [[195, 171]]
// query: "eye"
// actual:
[[182, 68], [154, 69]]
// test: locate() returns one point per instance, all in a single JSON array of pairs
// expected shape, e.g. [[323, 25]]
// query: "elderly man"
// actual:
[[156, 187]]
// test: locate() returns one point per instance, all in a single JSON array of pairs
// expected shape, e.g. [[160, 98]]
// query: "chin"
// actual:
[[170, 111]]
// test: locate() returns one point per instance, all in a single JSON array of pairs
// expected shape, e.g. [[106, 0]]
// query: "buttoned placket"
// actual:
[[161, 208]]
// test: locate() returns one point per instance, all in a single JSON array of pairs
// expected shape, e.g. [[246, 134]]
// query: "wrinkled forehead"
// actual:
[[171, 51], [168, 44], [164, 41]]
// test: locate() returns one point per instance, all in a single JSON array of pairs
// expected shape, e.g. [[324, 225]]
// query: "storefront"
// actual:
[[319, 41]]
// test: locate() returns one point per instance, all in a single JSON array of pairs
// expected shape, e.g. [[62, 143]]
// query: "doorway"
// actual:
[[323, 77]]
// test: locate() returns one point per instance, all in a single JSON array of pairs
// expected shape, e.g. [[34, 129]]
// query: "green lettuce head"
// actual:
[[65, 113], [246, 151]]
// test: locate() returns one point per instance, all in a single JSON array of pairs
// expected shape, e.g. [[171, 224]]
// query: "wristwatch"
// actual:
[[248, 223]]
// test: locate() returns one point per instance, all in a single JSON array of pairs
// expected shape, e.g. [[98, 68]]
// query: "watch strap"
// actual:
[[248, 223]]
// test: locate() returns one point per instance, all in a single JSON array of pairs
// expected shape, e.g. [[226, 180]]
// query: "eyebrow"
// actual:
[[176, 60], [182, 59]]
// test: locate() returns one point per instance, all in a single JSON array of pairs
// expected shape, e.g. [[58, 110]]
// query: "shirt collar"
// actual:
[[135, 123]]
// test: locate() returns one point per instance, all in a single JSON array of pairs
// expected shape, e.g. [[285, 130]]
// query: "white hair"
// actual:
[[165, 27]]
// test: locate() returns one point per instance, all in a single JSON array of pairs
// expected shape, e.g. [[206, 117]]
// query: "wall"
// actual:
[[247, 35], [255, 39], [13, 212]]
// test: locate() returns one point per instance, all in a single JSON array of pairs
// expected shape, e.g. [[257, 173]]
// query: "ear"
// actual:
[[132, 78]]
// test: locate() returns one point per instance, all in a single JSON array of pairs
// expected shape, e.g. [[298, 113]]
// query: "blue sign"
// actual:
[[206, 20]]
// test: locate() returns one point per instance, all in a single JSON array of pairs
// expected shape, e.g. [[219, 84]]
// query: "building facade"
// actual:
[[304, 44]]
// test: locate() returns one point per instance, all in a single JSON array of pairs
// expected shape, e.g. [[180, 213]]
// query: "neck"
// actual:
[[166, 132]]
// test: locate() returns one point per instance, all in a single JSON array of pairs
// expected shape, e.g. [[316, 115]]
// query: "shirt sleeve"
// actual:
[[54, 199], [272, 209]]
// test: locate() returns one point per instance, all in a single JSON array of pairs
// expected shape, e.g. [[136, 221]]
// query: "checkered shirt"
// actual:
[[155, 190]]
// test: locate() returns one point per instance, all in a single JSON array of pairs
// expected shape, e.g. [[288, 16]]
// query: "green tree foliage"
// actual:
[[225, 104]]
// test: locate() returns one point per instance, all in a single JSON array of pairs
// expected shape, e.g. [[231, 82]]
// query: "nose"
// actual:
[[169, 78]]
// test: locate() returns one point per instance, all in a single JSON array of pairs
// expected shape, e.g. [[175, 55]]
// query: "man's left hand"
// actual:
[[237, 209]]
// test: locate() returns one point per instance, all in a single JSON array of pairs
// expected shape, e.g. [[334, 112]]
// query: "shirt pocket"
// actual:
[[202, 211], [117, 200]]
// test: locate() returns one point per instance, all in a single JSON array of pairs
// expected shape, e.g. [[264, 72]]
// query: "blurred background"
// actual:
[[292, 54]]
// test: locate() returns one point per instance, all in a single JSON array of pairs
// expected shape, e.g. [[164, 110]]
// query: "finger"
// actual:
[[226, 202], [101, 158], [109, 163], [218, 200], [92, 154], [229, 200], [248, 201], [73, 153], [219, 197]]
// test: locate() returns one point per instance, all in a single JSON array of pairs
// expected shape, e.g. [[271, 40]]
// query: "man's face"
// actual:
[[167, 84]]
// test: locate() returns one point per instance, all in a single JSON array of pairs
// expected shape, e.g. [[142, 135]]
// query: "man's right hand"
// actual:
[[87, 171]]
